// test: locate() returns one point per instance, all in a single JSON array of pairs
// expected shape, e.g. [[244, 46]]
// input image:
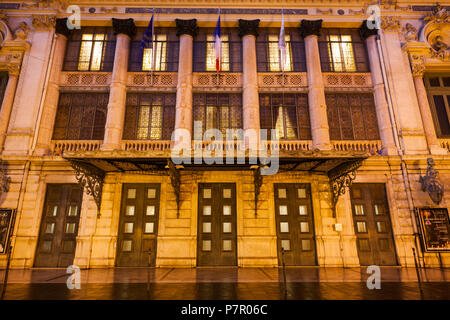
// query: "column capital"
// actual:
[[310, 27], [13, 69], [417, 67], [390, 24], [61, 27], [365, 32], [124, 26], [188, 27], [43, 22], [248, 27]]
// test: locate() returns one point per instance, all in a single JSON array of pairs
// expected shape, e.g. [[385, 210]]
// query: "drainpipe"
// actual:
[[400, 151]]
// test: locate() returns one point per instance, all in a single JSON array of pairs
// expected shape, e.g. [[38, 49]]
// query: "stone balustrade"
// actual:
[[59, 146]]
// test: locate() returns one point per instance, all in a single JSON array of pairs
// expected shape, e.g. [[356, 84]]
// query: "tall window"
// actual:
[[352, 117], [81, 116], [268, 54], [342, 50], [204, 55], [166, 52], [3, 83], [287, 113], [438, 88], [218, 111], [211, 53], [149, 116], [90, 49]]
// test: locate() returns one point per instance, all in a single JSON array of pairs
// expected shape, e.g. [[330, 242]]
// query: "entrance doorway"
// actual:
[[216, 244]]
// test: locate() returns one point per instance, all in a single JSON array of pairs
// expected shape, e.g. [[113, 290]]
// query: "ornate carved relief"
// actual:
[[430, 184], [390, 23], [417, 66], [310, 27], [90, 79], [21, 33], [410, 32], [214, 80], [188, 27], [43, 22], [248, 27], [125, 26], [436, 32], [4, 179], [175, 180]]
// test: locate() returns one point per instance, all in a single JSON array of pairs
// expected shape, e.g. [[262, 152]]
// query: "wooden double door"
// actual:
[[295, 224], [372, 224], [216, 240], [138, 225], [59, 226]]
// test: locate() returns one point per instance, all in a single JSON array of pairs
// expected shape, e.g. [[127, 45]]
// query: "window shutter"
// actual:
[[108, 57], [370, 117], [298, 56], [235, 56], [325, 60], [261, 55], [304, 125], [361, 60], [199, 56], [72, 55], [173, 50], [135, 59]]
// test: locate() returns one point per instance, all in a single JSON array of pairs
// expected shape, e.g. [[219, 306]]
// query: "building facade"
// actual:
[[360, 107]]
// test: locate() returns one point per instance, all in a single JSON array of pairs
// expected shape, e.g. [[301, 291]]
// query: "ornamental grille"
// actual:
[[149, 116], [267, 53], [352, 117], [287, 113], [217, 111], [90, 49], [81, 116], [342, 50]]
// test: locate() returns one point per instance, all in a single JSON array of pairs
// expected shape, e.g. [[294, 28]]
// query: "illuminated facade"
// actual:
[[87, 117]]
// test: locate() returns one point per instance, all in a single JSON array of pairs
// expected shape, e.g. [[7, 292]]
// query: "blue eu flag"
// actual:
[[147, 38]]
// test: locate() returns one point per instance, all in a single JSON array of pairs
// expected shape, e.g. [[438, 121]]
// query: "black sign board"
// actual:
[[6, 227], [435, 228]]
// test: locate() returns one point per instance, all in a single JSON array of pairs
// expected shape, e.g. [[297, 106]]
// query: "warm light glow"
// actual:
[[211, 54], [91, 52], [341, 53], [160, 58], [155, 122], [274, 54], [284, 124]]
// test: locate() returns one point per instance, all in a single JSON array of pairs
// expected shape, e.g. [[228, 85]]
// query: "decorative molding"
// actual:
[[430, 184], [43, 22], [436, 33], [248, 27], [188, 27], [223, 11], [61, 27], [365, 32], [439, 15], [310, 27], [357, 12], [124, 26], [85, 79], [175, 180], [213, 80], [410, 32], [90, 178], [325, 11], [390, 23], [4, 179], [13, 69], [417, 65], [156, 80], [21, 32]]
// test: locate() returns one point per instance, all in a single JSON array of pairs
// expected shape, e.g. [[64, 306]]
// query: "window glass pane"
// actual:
[[303, 210], [306, 245], [206, 193], [211, 53], [144, 118], [207, 227], [356, 193], [68, 246], [46, 246], [151, 193], [226, 245], [286, 245], [434, 82], [131, 193], [283, 210], [363, 245], [275, 53], [73, 211], [301, 193], [128, 227], [226, 193], [441, 113], [379, 209], [97, 52], [359, 209], [126, 245], [227, 227], [284, 227], [150, 211], [206, 210], [361, 227], [282, 193], [156, 124], [52, 211], [85, 52], [446, 81], [381, 227], [384, 244], [50, 228], [149, 227], [347, 51], [129, 211], [304, 227], [206, 245], [70, 227], [227, 210]]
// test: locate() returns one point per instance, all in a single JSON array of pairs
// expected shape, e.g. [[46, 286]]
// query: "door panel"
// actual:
[[138, 226], [372, 224], [59, 226], [216, 244], [295, 224]]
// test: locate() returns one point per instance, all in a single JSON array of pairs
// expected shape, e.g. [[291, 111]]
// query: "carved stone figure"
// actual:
[[410, 32], [22, 31]]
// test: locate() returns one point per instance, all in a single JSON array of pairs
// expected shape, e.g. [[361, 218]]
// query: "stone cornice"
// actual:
[[43, 22], [248, 27], [124, 26], [390, 23], [310, 27], [188, 27]]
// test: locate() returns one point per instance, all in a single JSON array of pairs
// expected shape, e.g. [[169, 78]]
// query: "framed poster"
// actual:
[[434, 228], [6, 226]]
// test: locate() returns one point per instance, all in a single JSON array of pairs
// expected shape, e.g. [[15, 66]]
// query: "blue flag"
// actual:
[[147, 38]]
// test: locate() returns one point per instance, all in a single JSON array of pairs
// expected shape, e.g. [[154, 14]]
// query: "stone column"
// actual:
[[8, 99], [418, 70], [186, 31], [310, 31], [381, 105], [248, 31], [124, 29], [52, 95]]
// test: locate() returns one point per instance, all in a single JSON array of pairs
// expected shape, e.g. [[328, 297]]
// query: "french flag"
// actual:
[[218, 44]]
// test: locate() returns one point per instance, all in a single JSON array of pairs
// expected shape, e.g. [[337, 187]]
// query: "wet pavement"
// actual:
[[228, 283]]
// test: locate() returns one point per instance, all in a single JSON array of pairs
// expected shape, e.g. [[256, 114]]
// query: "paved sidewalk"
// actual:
[[228, 283]]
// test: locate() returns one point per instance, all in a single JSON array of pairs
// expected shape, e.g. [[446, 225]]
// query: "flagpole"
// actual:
[[220, 60], [153, 48]]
